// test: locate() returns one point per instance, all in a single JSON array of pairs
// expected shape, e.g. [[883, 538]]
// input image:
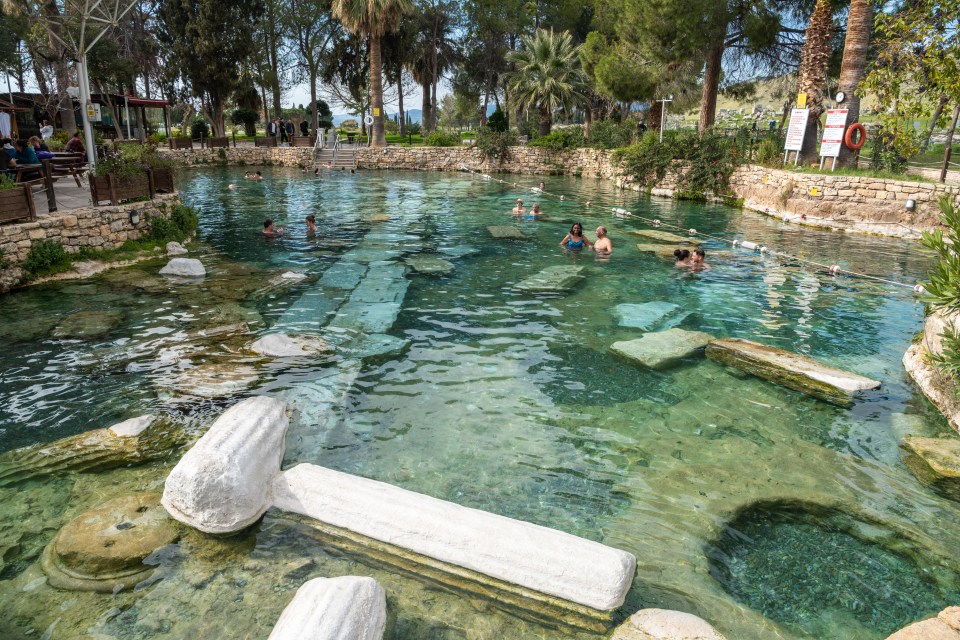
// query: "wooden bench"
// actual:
[[68, 164], [217, 143], [302, 141], [268, 141], [180, 143]]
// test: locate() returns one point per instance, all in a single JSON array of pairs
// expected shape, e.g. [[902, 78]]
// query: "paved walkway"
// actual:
[[68, 195]]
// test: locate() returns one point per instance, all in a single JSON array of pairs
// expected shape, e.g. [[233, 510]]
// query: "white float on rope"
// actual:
[[919, 289], [692, 231], [746, 244]]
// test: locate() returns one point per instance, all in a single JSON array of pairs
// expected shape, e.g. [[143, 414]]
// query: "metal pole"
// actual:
[[85, 100], [663, 117], [126, 108]]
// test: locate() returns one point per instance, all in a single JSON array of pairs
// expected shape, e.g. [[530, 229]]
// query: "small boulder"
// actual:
[[344, 608], [184, 267], [430, 265], [281, 345], [790, 370], [663, 624], [662, 349], [648, 315], [946, 626], [506, 233], [176, 249], [213, 380], [104, 549], [556, 279], [293, 275], [88, 324], [935, 461]]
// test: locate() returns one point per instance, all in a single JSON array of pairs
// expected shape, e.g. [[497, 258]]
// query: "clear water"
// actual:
[[503, 401]]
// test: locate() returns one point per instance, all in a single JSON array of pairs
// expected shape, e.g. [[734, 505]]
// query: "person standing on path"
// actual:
[[291, 130]]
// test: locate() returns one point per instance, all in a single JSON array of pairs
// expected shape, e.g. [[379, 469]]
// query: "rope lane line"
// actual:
[[762, 249]]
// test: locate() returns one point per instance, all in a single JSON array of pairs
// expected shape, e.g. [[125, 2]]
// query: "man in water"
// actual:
[[270, 231], [603, 245], [536, 213], [519, 208], [697, 260]]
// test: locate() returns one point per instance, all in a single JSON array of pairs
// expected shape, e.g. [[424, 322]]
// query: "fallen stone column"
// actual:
[[232, 476], [345, 608], [133, 441]]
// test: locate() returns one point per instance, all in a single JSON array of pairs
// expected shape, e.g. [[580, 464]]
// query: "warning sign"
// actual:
[[833, 133], [798, 126]]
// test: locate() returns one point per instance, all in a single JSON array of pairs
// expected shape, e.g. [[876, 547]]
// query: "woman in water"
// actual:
[[698, 260], [575, 241], [603, 245], [311, 225], [682, 258], [519, 208]]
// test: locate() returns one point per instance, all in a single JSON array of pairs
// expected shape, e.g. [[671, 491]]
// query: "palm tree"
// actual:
[[812, 74], [372, 18], [548, 75], [859, 28]]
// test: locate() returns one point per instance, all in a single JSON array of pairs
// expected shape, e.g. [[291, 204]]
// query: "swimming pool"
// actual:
[[475, 391]]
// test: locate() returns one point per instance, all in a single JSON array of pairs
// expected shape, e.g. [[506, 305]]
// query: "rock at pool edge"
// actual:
[[663, 624], [344, 608]]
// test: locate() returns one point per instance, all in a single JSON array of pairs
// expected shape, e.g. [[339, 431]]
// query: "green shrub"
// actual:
[[185, 218], [6, 182], [770, 153], [943, 287], [560, 139], [948, 362], [414, 128], [441, 139], [247, 118], [702, 164], [495, 144], [199, 128], [157, 139], [647, 161], [497, 121], [183, 221], [46, 257], [609, 134]]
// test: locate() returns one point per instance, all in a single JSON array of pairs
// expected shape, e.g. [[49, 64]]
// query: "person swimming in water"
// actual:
[[519, 208], [311, 225], [575, 240], [681, 258], [698, 260], [535, 212], [269, 230], [603, 245]]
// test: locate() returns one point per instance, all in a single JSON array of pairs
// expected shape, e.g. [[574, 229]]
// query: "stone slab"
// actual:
[[664, 236], [935, 461], [344, 608], [555, 279], [459, 251], [790, 370], [520, 553], [281, 345], [429, 265], [662, 349], [648, 315], [506, 233], [664, 251]]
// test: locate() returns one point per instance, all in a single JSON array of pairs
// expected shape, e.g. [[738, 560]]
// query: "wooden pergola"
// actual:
[[11, 109]]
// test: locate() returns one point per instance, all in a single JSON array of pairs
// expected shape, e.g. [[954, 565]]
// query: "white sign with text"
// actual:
[[833, 133], [798, 126]]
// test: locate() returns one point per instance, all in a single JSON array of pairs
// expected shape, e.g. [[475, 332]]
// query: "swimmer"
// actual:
[[269, 230], [603, 245], [316, 171], [563, 197], [248, 175], [681, 257], [311, 225], [698, 260], [589, 204], [535, 212], [329, 165], [574, 241], [232, 186], [519, 208], [542, 186]]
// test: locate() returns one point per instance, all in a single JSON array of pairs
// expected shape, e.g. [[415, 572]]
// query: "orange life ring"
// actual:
[[848, 136]]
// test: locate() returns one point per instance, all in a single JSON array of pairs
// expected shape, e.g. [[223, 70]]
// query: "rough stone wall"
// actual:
[[239, 156], [593, 163], [95, 227]]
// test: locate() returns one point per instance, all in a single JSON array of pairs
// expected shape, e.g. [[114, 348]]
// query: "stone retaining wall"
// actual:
[[594, 163], [94, 227], [239, 156]]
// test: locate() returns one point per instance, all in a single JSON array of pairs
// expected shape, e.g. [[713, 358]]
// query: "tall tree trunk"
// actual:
[[146, 85], [61, 68], [402, 116], [486, 102], [655, 115], [273, 56], [949, 150], [711, 85], [859, 27], [378, 139], [545, 121], [941, 104], [425, 107], [587, 117], [812, 75], [314, 118], [434, 71]]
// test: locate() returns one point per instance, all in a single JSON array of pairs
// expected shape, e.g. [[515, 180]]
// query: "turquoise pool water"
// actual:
[[476, 392]]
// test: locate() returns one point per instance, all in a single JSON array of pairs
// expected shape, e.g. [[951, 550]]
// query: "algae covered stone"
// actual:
[[88, 324], [664, 236], [104, 549], [430, 265], [664, 624], [556, 279], [506, 233], [790, 370], [281, 345], [184, 267], [662, 349], [935, 461], [664, 251]]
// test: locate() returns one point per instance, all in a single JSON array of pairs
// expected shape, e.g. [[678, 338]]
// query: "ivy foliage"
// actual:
[[943, 287]]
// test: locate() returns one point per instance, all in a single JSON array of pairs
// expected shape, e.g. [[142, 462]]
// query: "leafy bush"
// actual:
[[390, 126], [185, 218], [497, 121], [943, 288], [6, 182], [157, 139], [948, 362], [769, 153], [560, 139], [891, 150], [199, 128], [183, 221], [647, 161], [133, 159], [702, 164], [495, 144], [441, 139], [609, 134], [46, 257], [247, 118], [414, 128]]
